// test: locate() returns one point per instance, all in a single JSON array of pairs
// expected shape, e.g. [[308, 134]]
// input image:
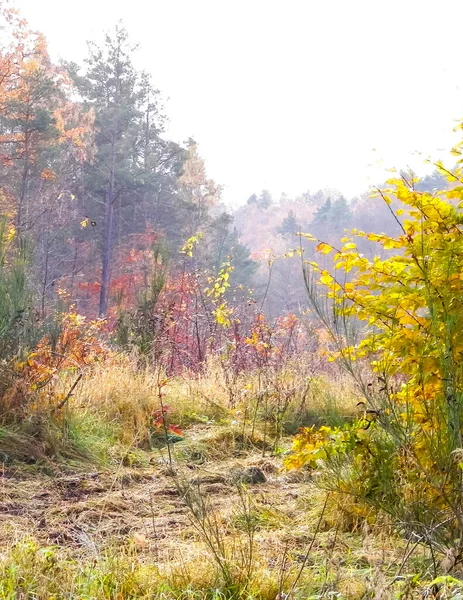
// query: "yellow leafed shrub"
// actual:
[[409, 297]]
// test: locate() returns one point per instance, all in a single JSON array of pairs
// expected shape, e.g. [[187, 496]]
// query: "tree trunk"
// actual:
[[108, 235], [106, 256]]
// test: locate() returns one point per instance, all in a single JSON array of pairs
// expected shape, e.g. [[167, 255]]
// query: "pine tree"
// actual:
[[263, 201], [244, 266], [340, 215], [323, 213], [289, 227], [225, 245], [110, 87]]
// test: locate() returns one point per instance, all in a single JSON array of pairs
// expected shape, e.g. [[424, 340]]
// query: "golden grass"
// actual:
[[155, 558], [126, 532], [125, 396]]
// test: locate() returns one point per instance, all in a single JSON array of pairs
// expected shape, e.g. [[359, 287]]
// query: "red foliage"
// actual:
[[160, 421]]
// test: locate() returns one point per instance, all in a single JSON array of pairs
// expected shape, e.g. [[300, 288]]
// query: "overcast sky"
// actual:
[[288, 95]]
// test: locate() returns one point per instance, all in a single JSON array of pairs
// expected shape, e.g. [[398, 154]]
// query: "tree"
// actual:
[[45, 137], [315, 199], [289, 227], [153, 201], [244, 266], [404, 455], [198, 192], [323, 213], [252, 200], [263, 201], [35, 120], [110, 87], [332, 216], [340, 214], [431, 183], [226, 246]]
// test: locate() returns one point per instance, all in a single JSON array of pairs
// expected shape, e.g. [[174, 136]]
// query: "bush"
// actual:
[[405, 456]]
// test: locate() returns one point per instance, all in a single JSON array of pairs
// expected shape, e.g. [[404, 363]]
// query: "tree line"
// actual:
[[90, 179]]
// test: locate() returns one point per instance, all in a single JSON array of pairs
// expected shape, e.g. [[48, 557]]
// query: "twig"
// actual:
[[164, 421], [309, 549], [408, 552], [155, 534], [69, 394]]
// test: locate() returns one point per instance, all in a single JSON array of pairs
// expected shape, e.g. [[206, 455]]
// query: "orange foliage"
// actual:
[[77, 345]]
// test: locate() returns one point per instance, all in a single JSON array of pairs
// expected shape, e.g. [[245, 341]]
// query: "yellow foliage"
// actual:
[[412, 307], [324, 248]]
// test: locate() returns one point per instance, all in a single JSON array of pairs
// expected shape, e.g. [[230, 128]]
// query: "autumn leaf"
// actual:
[[324, 248], [175, 429], [307, 236], [326, 278]]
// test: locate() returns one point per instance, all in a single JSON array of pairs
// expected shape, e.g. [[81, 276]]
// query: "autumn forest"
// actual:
[[260, 402]]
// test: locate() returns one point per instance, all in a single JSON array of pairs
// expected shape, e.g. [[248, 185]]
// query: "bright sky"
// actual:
[[288, 95]]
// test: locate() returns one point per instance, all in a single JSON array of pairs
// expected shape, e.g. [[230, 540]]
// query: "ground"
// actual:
[[193, 525]]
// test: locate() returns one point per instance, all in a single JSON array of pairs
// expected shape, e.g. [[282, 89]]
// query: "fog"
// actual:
[[293, 95]]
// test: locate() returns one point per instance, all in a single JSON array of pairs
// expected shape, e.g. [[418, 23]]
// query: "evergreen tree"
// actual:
[[110, 87], [131, 185], [244, 266], [430, 183], [289, 227], [333, 216], [340, 215], [323, 213], [153, 202], [227, 246], [264, 200]]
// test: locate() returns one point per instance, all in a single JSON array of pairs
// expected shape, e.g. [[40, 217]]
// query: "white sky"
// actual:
[[288, 95]]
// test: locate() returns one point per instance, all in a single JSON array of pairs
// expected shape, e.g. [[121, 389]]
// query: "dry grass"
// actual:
[[131, 533], [120, 394], [133, 537], [125, 396], [125, 529]]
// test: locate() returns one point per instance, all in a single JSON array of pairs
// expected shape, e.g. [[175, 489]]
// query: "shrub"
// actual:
[[405, 456]]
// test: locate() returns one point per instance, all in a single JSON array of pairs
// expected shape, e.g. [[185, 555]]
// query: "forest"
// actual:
[[260, 403]]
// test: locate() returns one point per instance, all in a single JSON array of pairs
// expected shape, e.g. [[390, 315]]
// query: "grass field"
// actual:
[[114, 516]]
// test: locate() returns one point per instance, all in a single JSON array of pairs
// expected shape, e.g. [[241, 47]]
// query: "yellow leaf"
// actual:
[[374, 237], [326, 278], [308, 236], [324, 248]]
